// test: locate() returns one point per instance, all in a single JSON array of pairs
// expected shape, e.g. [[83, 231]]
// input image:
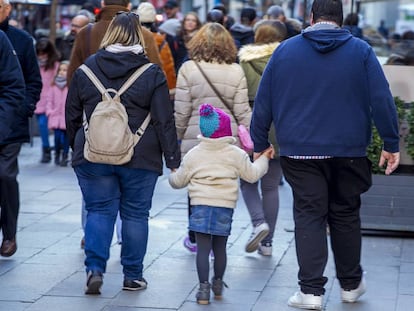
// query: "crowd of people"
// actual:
[[308, 115]]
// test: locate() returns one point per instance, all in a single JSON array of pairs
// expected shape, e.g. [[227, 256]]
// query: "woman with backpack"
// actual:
[[128, 187]]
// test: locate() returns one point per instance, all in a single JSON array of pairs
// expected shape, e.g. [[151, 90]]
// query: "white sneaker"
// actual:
[[305, 301], [266, 249], [258, 234], [353, 294]]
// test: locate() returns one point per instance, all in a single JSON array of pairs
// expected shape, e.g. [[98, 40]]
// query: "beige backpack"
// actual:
[[108, 138]]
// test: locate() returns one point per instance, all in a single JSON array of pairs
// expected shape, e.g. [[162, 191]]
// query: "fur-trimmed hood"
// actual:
[[255, 51]]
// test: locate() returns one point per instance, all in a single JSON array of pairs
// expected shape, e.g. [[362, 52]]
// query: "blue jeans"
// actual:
[[43, 129], [106, 190], [61, 141]]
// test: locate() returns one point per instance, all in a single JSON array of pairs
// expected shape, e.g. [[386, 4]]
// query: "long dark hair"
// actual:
[[45, 46]]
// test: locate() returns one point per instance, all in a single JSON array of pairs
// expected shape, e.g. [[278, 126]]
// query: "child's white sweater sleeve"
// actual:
[[252, 172], [181, 177]]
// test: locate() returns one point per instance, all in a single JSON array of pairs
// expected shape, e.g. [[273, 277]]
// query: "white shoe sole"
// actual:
[[253, 245]]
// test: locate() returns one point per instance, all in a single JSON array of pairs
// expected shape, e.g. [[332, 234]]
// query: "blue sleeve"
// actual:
[[383, 108], [12, 87], [262, 110]]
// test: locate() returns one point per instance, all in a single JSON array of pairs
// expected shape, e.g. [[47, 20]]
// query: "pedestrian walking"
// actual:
[[10, 145], [212, 170], [263, 205], [213, 56], [48, 58], [322, 89], [127, 188], [55, 112]]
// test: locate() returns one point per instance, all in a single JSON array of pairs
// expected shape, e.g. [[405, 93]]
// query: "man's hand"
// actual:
[[269, 153], [392, 159]]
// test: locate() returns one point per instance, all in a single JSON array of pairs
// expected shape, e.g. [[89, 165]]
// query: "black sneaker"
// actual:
[[135, 284], [94, 281]]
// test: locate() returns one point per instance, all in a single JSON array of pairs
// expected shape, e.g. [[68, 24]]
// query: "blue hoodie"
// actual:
[[322, 89]]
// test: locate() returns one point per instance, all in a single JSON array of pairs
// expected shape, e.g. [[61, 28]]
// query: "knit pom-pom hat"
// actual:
[[214, 122]]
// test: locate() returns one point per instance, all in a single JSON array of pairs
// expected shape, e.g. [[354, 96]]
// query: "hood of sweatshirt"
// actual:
[[119, 65], [326, 40]]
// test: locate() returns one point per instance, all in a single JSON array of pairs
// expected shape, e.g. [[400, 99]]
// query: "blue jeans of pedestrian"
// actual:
[[61, 140], [43, 129], [106, 190]]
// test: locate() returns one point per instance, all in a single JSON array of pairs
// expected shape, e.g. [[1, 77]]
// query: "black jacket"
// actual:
[[148, 94], [23, 44], [11, 87]]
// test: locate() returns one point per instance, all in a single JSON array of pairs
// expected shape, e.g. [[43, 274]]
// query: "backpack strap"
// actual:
[[98, 84], [133, 78]]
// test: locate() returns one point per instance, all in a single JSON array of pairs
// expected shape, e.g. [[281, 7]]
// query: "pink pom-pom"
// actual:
[[206, 110]]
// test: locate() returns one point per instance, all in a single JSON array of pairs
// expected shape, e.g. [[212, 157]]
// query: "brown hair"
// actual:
[[213, 43], [269, 31]]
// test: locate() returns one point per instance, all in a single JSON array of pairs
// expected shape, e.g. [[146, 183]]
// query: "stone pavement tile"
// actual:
[[161, 293], [7, 264], [381, 251], [68, 303], [120, 308], [14, 305], [246, 278], [407, 267], [405, 303], [231, 297], [408, 250], [364, 304], [274, 298], [74, 286], [382, 282], [406, 284], [215, 305], [285, 276], [29, 282]]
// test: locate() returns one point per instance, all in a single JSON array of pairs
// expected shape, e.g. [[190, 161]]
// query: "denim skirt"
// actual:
[[211, 219]]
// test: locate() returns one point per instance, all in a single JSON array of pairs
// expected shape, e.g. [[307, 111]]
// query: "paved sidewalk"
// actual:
[[47, 272]]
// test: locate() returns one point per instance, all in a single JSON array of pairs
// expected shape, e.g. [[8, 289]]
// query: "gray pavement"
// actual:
[[47, 272]]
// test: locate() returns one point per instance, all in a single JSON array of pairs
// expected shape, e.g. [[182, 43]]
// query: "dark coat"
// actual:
[[12, 88], [148, 94], [23, 44]]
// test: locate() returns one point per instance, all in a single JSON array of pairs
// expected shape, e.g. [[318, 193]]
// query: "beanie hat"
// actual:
[[214, 122], [248, 14], [170, 26], [146, 12], [275, 11]]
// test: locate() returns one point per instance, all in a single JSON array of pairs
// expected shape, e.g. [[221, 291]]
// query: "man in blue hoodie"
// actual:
[[322, 89]]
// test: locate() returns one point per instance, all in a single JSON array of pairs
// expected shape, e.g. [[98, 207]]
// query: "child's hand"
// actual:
[[269, 152]]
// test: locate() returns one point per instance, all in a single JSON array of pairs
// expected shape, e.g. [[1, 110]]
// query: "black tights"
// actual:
[[206, 242]]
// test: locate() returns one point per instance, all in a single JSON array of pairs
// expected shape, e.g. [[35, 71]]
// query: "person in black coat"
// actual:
[[12, 94], [126, 188], [23, 44]]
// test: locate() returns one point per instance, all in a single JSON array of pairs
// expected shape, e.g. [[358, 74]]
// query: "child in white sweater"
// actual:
[[211, 170]]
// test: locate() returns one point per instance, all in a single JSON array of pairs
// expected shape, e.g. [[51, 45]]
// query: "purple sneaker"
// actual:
[[192, 247]]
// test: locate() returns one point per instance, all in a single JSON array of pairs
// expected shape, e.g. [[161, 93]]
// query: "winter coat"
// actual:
[[242, 34], [148, 94], [193, 90], [23, 44], [12, 87], [322, 89], [48, 76], [253, 59], [88, 40], [212, 170], [167, 60], [55, 109]]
